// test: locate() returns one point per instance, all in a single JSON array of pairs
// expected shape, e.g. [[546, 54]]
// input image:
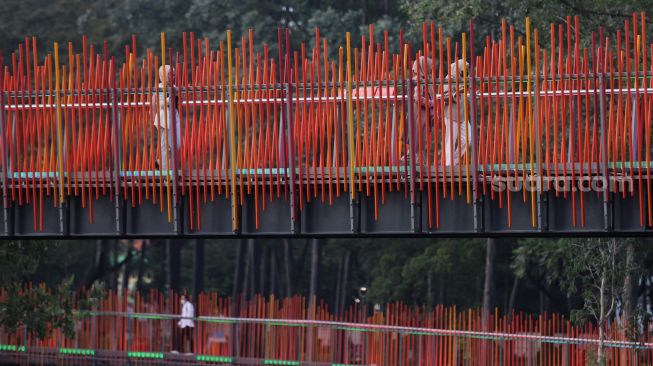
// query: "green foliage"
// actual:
[[36, 308], [116, 21], [578, 267], [541, 259], [454, 16], [399, 270]]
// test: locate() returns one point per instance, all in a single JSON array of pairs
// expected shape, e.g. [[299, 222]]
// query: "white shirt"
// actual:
[[159, 109], [187, 314]]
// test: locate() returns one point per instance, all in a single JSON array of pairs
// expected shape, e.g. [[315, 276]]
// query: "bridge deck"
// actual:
[[323, 204]]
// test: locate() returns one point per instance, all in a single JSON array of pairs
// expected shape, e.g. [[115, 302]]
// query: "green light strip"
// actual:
[[280, 362], [360, 170], [77, 351], [214, 359], [11, 348], [156, 355]]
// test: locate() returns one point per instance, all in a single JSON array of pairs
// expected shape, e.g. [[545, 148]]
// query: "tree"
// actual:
[[490, 269], [594, 270], [597, 268], [35, 307], [454, 16]]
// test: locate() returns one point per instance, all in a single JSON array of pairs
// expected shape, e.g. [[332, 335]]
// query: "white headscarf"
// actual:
[[168, 74], [422, 67], [457, 68]]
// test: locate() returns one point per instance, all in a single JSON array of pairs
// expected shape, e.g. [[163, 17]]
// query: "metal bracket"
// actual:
[[64, 217], [416, 214], [543, 211], [479, 214], [355, 215], [8, 227]]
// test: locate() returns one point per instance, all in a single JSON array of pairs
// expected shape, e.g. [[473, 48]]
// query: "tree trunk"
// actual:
[[429, 289], [237, 289], [273, 271], [162, 280], [248, 280], [490, 269], [301, 262], [336, 294], [441, 289], [99, 264], [345, 279], [113, 277], [173, 254], [99, 255], [488, 290], [255, 268], [316, 245], [287, 266], [141, 265], [629, 297], [126, 272], [600, 356], [315, 269], [513, 294], [263, 274], [198, 268]]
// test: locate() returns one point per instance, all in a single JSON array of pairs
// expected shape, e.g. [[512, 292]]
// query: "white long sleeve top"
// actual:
[[187, 314]]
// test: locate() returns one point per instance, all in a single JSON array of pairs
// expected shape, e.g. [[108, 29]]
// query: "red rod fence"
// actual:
[[127, 327], [311, 126]]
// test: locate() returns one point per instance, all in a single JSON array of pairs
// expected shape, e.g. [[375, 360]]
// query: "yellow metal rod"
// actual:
[[350, 122], [529, 116]]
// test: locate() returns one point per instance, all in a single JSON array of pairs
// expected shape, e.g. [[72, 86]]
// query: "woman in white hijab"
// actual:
[[454, 113], [455, 122], [164, 118]]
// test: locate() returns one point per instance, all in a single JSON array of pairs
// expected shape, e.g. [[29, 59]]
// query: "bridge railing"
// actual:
[[314, 125], [291, 331]]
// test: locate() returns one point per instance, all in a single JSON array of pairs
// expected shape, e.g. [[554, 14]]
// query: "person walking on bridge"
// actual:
[[166, 117], [456, 125]]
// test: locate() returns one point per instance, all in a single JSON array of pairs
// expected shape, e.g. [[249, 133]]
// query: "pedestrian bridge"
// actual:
[[344, 139]]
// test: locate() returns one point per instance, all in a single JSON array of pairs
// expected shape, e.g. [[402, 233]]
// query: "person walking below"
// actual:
[[186, 324]]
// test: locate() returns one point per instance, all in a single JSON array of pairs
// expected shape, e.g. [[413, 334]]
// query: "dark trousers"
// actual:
[[187, 335]]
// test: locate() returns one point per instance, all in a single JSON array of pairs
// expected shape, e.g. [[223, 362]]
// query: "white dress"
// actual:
[[163, 119]]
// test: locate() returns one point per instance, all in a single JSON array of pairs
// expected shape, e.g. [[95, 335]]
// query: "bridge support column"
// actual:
[[8, 224], [415, 202], [476, 200], [115, 144], [64, 215], [608, 224]]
